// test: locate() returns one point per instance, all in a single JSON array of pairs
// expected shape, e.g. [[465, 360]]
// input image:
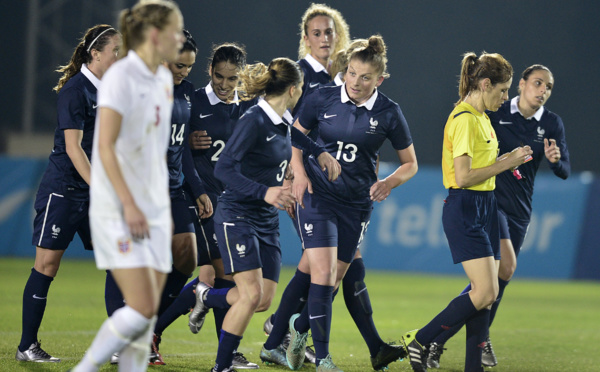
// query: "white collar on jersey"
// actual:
[[339, 79], [213, 99], [91, 77], [314, 63], [275, 118], [368, 104], [514, 108]]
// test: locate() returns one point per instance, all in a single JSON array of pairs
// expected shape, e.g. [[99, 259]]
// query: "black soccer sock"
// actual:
[[320, 298], [175, 282], [181, 306], [501, 286], [113, 298], [290, 304], [228, 343], [220, 313], [457, 311], [358, 303], [477, 330], [34, 305]]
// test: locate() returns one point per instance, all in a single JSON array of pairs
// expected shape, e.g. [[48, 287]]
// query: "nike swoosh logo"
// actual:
[[39, 298], [505, 122], [270, 138], [171, 295], [94, 106], [313, 85], [361, 291], [316, 317], [329, 116], [204, 116]]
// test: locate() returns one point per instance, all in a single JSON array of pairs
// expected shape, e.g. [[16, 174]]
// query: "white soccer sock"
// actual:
[[125, 325], [134, 357]]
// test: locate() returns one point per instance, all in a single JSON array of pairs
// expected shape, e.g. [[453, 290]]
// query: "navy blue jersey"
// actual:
[[353, 135], [312, 79], [513, 130], [260, 150], [218, 119], [182, 106], [76, 110]]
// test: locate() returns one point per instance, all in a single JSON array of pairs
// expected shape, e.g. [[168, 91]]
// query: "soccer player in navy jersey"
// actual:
[[524, 120], [470, 163], [324, 32], [253, 166], [62, 200], [130, 207], [353, 120]]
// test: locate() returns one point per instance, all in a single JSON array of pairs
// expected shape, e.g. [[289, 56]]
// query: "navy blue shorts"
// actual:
[[243, 248], [470, 220], [322, 223], [57, 220], [514, 229], [184, 213], [208, 248]]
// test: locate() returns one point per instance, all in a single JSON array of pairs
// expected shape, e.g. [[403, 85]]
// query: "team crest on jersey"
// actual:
[[124, 245], [308, 227], [187, 98], [55, 231], [372, 126], [241, 249], [540, 134]]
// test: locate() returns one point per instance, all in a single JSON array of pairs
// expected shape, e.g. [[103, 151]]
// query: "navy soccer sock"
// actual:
[[358, 303], [228, 343], [501, 286], [175, 282], [457, 311], [320, 299], [443, 337], [113, 298], [289, 305], [34, 305], [181, 306], [220, 313], [477, 330]]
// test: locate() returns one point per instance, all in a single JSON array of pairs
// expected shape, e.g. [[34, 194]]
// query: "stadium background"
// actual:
[[425, 42]]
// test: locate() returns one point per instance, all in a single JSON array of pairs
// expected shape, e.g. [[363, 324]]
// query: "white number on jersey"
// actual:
[[283, 167], [348, 158], [179, 136], [221, 145]]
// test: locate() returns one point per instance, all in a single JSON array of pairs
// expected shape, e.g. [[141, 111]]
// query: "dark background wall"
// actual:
[[425, 41]]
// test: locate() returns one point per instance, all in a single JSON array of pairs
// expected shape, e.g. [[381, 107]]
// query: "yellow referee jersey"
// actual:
[[469, 132]]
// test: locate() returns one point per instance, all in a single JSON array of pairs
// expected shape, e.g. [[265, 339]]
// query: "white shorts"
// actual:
[[115, 249]]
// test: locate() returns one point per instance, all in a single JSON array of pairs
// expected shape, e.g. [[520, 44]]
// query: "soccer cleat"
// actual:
[[310, 356], [387, 354], [35, 353], [114, 359], [240, 362], [327, 365], [200, 310], [275, 356], [228, 369], [155, 359], [435, 353], [295, 353], [488, 357], [417, 354], [268, 325]]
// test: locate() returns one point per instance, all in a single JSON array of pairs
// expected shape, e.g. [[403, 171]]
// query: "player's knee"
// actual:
[[252, 296], [507, 270]]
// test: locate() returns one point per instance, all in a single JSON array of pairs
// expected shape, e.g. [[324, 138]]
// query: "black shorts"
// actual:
[[57, 220], [183, 213], [514, 229], [470, 220]]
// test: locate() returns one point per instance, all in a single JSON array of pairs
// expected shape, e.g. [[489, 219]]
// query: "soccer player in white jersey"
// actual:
[[130, 210]]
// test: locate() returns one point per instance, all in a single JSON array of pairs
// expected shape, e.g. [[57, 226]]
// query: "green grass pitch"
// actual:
[[541, 325]]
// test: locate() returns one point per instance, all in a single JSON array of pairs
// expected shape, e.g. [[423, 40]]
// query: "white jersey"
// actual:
[[145, 101]]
